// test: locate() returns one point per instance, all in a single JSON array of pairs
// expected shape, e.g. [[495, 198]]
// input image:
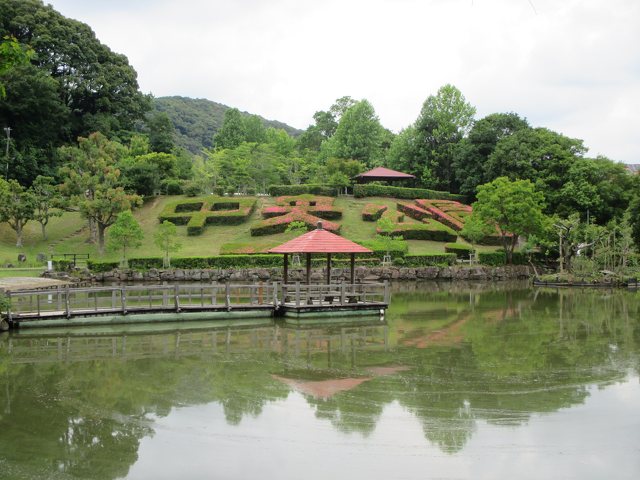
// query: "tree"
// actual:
[[161, 133], [12, 54], [232, 133], [443, 121], [93, 182], [48, 201], [96, 84], [596, 188], [17, 206], [634, 219], [472, 152], [145, 174], [537, 154], [165, 239], [358, 135], [514, 206], [125, 233]]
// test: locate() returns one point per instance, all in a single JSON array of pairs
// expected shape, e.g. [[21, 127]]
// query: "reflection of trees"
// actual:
[[517, 352], [87, 418]]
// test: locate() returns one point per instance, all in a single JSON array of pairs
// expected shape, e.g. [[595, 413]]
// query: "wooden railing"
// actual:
[[300, 295], [66, 302]]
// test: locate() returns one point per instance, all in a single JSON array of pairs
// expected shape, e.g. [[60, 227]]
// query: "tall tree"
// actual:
[[232, 133], [92, 179], [359, 134], [444, 120], [514, 206], [539, 155], [12, 54], [161, 133], [472, 152], [17, 207]]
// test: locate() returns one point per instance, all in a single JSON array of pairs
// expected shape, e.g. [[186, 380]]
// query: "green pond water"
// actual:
[[457, 381]]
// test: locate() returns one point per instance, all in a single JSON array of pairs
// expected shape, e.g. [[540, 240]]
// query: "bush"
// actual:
[[171, 186], [462, 250], [498, 259], [413, 211], [192, 190], [315, 189], [372, 212], [326, 213], [63, 265], [280, 223], [198, 213], [398, 247], [371, 190], [146, 263], [101, 266], [429, 260], [430, 230]]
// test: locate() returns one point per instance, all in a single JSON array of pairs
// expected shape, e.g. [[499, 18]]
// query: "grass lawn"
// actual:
[[68, 234]]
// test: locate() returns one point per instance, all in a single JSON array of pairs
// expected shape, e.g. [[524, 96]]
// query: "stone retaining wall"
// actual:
[[369, 274]]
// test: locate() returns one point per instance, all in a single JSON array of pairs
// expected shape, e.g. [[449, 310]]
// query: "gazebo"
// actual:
[[319, 241], [381, 174]]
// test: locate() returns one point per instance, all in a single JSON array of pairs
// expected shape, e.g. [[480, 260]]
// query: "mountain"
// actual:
[[196, 120]]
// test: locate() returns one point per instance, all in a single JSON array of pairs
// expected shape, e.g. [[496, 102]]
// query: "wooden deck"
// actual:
[[186, 302]]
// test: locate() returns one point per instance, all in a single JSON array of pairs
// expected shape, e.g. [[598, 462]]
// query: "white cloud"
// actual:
[[572, 66]]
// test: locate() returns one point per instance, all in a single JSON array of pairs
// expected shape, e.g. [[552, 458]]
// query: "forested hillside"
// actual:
[[196, 120]]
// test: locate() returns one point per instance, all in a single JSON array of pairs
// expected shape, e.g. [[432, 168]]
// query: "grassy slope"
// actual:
[[66, 236]]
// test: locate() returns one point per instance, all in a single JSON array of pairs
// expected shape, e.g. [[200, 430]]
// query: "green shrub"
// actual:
[[315, 189], [171, 186], [498, 259], [145, 263], [462, 250], [98, 266], [372, 190], [372, 212], [430, 230], [197, 223], [63, 265], [188, 207], [398, 247], [198, 213], [430, 260]]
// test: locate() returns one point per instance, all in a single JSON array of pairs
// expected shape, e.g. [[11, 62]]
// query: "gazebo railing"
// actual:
[[301, 295]]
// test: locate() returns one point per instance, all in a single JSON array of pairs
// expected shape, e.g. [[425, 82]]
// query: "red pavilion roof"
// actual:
[[319, 241], [381, 172]]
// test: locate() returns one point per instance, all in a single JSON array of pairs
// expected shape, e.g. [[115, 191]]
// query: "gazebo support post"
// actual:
[[328, 269], [286, 269], [308, 268], [353, 268]]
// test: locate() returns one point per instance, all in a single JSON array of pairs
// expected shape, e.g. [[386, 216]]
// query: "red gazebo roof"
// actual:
[[319, 241], [381, 172]]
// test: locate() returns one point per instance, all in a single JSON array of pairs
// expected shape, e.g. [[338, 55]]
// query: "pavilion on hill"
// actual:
[[382, 174], [319, 241]]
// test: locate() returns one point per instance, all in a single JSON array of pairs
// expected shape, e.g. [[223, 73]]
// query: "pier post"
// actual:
[[123, 300], [386, 292], [176, 298], [227, 296], [66, 302]]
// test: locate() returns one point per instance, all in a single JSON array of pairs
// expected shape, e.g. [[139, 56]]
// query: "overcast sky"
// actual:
[[569, 65]]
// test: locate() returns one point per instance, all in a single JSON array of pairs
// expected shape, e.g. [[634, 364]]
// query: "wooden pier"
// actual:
[[157, 303]]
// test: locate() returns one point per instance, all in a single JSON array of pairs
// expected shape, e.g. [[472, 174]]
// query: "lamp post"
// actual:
[[7, 130]]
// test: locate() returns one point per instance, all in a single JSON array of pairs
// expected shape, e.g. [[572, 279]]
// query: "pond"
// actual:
[[457, 381]]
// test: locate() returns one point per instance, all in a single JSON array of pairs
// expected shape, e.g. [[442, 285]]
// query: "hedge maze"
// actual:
[[197, 213], [308, 209]]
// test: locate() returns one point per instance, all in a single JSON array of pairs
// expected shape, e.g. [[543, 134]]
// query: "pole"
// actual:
[[7, 130]]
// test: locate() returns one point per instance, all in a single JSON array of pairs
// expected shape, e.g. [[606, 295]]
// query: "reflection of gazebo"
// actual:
[[319, 241], [381, 174]]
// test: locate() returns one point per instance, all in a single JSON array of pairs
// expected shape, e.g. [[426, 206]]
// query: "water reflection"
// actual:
[[456, 358]]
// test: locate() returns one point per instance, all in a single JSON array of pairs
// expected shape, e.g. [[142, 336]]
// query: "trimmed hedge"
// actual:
[[101, 266], [198, 213], [413, 211], [399, 248], [462, 250], [280, 223], [372, 212], [429, 260], [315, 189], [369, 190], [429, 230]]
